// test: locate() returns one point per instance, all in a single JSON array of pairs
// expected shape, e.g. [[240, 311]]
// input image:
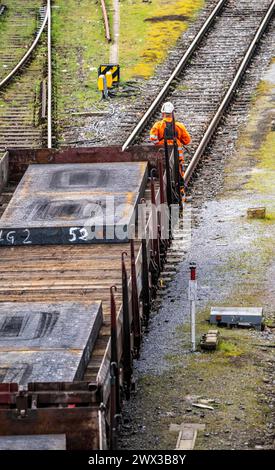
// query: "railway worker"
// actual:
[[170, 129]]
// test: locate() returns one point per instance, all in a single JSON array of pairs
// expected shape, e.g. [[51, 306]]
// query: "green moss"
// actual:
[[263, 177], [262, 89], [229, 349], [270, 217], [149, 31], [253, 168]]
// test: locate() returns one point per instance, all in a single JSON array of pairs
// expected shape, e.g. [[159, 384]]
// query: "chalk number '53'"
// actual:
[[78, 234]]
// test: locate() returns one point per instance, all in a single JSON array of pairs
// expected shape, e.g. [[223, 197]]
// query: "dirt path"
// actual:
[[114, 49]]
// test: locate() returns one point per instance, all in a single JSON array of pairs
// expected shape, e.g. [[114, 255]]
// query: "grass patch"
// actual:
[[147, 32], [79, 47], [223, 376], [263, 177], [262, 89], [229, 349], [255, 150]]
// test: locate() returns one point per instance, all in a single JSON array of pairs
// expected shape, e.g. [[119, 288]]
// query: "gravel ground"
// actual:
[[235, 259]]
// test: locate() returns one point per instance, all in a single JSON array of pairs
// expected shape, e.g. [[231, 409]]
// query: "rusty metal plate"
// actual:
[[80, 425], [39, 442], [42, 342], [74, 204]]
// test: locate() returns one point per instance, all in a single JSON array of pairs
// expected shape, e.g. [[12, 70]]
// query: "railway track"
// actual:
[[85, 273], [218, 74], [206, 72], [25, 92], [17, 27], [203, 82]]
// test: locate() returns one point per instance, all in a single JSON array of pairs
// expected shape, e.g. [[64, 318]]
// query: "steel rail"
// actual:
[[229, 94], [183, 62], [49, 100], [28, 53]]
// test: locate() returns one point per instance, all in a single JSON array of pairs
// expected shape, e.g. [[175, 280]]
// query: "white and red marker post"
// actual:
[[192, 296]]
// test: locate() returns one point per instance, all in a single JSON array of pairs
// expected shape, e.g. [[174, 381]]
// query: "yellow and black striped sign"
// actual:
[[114, 68]]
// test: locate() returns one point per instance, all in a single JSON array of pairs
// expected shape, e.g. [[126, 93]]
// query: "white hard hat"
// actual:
[[167, 107]]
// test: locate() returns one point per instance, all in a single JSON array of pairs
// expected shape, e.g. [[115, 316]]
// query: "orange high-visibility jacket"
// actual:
[[157, 134]]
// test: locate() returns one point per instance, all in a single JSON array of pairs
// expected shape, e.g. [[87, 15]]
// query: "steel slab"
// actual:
[[23, 367], [74, 203], [42, 342], [29, 442]]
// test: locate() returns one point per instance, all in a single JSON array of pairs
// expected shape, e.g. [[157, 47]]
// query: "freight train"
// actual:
[[77, 281]]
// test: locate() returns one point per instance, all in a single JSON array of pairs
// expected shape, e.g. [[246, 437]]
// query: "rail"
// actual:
[[46, 21], [183, 62], [28, 53], [49, 100]]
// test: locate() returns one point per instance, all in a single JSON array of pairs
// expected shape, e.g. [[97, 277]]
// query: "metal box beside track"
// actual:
[[237, 316]]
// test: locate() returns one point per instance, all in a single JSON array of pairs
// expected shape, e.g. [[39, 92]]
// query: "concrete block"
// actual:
[[256, 213]]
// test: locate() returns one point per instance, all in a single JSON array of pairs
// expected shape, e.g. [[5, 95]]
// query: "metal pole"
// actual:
[[135, 302], [49, 78], [192, 299], [168, 174], [127, 353], [176, 160], [106, 21], [114, 375]]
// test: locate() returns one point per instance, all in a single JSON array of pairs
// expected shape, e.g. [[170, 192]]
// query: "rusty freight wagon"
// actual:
[[72, 306]]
